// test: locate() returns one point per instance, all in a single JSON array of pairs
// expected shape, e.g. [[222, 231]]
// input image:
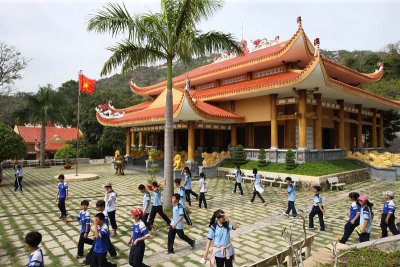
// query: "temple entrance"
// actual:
[[262, 137], [241, 136], [327, 138]]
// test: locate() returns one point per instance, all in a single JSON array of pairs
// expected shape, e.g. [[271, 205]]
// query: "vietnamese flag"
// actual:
[[86, 85]]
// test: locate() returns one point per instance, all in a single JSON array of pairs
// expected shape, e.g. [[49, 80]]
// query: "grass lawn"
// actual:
[[316, 168]]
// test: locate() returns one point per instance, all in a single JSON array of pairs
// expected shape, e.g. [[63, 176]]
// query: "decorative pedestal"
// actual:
[[301, 155], [177, 174], [192, 167]]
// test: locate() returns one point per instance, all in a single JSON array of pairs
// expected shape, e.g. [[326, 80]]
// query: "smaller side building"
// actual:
[[56, 137]]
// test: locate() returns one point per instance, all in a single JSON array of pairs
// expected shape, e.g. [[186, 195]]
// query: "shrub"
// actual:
[[240, 157], [66, 152], [290, 164], [262, 158], [154, 168], [90, 151]]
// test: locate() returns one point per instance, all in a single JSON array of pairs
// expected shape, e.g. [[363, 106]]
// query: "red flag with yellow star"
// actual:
[[86, 85]]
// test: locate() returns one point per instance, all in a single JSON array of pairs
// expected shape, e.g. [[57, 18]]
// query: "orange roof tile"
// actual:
[[216, 111], [32, 134], [134, 108]]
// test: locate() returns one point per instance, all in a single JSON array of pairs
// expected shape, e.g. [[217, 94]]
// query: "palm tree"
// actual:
[[169, 35]]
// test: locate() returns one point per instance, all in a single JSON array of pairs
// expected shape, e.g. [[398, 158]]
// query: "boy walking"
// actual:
[[33, 240], [157, 205], [176, 225], [388, 218], [317, 209], [62, 196], [146, 205], [18, 178], [100, 207], [182, 200], [257, 189], [291, 193], [238, 183], [139, 235], [101, 242]]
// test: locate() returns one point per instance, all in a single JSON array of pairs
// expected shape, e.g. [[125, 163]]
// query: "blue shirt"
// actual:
[[157, 198], [366, 214], [19, 172], [188, 182], [177, 212], [62, 190], [317, 199], [291, 189], [389, 207], [84, 218], [354, 210], [181, 192], [238, 176], [147, 199], [221, 237], [36, 259], [139, 230], [101, 243]]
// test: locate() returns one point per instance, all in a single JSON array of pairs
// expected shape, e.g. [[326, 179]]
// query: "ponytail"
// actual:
[[202, 175]]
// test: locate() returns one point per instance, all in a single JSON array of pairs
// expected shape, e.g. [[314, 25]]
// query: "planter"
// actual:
[[67, 167]]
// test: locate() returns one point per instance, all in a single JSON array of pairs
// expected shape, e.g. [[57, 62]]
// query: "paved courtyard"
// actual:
[[258, 236]]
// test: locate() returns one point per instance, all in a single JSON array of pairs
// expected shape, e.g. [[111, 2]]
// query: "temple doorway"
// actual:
[[327, 138]]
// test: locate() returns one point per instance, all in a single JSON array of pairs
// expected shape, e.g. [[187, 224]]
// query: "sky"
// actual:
[[53, 35]]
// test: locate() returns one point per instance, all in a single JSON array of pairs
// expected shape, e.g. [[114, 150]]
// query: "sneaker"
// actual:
[[285, 214], [250, 202], [264, 204], [321, 230], [310, 228], [233, 192], [168, 252], [193, 244]]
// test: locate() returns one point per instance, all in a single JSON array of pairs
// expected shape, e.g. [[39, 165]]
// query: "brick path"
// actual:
[[259, 234]]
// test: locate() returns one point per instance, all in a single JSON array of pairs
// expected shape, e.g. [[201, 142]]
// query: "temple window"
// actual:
[[268, 72], [205, 86], [233, 80]]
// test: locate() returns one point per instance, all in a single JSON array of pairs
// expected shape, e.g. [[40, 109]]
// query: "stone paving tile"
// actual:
[[36, 208]]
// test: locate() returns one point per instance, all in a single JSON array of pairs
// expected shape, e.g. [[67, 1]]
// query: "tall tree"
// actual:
[[168, 35], [11, 145]]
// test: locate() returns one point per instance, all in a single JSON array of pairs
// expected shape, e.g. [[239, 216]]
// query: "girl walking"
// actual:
[[238, 183], [366, 215], [257, 189], [139, 235], [203, 190], [188, 185], [354, 217], [317, 209], [110, 198]]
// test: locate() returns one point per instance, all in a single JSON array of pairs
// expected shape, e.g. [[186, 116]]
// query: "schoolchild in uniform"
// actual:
[[84, 219], [182, 200], [101, 243], [317, 209], [18, 178], [188, 185], [366, 216], [257, 189], [157, 205], [238, 177], [176, 225], [219, 234], [388, 218], [62, 196], [354, 217], [100, 207], [203, 190], [291, 193], [110, 199], [146, 205], [139, 235], [33, 240]]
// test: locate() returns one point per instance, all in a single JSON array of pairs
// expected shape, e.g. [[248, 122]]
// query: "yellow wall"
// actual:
[[254, 109], [327, 113]]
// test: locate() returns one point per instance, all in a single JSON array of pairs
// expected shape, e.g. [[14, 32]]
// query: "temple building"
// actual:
[[279, 95]]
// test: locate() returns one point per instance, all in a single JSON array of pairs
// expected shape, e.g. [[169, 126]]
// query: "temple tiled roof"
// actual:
[[32, 134]]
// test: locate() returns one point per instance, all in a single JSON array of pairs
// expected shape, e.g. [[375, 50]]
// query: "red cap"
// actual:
[[137, 212]]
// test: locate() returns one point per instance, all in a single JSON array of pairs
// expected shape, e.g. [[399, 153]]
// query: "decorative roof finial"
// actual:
[[299, 22], [187, 82], [316, 44]]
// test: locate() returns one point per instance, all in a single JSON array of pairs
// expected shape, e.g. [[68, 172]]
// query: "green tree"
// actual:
[[112, 139], [290, 164], [239, 157], [262, 156], [66, 152], [168, 35], [11, 145]]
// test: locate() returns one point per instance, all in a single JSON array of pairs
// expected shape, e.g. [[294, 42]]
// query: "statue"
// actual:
[[178, 163], [119, 165], [106, 111]]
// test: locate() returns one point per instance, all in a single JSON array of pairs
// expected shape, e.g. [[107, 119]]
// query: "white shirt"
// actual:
[[202, 185], [110, 201]]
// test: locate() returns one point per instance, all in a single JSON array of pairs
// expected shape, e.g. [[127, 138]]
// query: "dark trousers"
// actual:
[[391, 225], [187, 193], [61, 206], [136, 254], [111, 217], [18, 183], [159, 210], [82, 241], [364, 237], [171, 238], [223, 262], [240, 188], [144, 220], [348, 230], [202, 198], [291, 207], [316, 211], [111, 250], [255, 192], [100, 260], [187, 218]]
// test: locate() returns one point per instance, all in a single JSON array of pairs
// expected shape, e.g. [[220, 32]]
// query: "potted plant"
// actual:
[[66, 152]]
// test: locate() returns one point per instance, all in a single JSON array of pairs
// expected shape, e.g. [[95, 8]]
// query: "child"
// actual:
[[146, 205], [257, 189], [62, 196], [176, 225], [139, 234], [291, 193], [354, 217], [366, 215], [84, 218], [317, 209], [157, 205], [101, 242], [388, 217], [110, 197], [203, 190], [219, 233], [100, 207], [33, 240], [238, 183], [181, 192], [188, 185], [18, 178]]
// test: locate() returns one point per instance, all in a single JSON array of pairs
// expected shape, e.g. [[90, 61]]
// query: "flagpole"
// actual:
[[77, 124]]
